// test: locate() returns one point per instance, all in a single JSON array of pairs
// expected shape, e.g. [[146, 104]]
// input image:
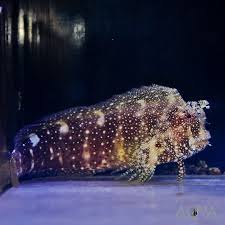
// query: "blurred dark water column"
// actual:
[[11, 81], [2, 87]]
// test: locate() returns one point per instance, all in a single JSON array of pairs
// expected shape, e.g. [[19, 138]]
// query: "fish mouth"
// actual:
[[201, 144]]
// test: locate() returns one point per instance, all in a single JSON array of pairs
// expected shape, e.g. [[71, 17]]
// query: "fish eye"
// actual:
[[189, 116]]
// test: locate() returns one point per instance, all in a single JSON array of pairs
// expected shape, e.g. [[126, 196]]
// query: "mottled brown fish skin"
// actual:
[[136, 131]]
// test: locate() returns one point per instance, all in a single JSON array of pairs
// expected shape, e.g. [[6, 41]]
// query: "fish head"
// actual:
[[188, 125], [198, 134]]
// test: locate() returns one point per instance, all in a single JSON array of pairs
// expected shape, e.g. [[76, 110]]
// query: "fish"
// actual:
[[134, 132]]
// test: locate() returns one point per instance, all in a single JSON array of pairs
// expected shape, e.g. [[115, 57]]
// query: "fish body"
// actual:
[[134, 131]]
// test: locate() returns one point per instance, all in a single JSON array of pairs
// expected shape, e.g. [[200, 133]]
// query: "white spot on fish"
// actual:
[[142, 104], [52, 153], [64, 128], [86, 155], [101, 119], [31, 153], [85, 145], [34, 139], [60, 159]]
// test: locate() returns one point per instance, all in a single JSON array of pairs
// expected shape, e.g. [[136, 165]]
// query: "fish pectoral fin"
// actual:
[[181, 170], [119, 171], [147, 175], [148, 168]]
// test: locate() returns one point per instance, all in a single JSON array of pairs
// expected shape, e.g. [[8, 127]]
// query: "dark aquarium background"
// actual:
[[58, 54]]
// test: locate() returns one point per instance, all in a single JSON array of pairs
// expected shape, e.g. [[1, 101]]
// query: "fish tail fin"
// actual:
[[8, 172], [16, 163]]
